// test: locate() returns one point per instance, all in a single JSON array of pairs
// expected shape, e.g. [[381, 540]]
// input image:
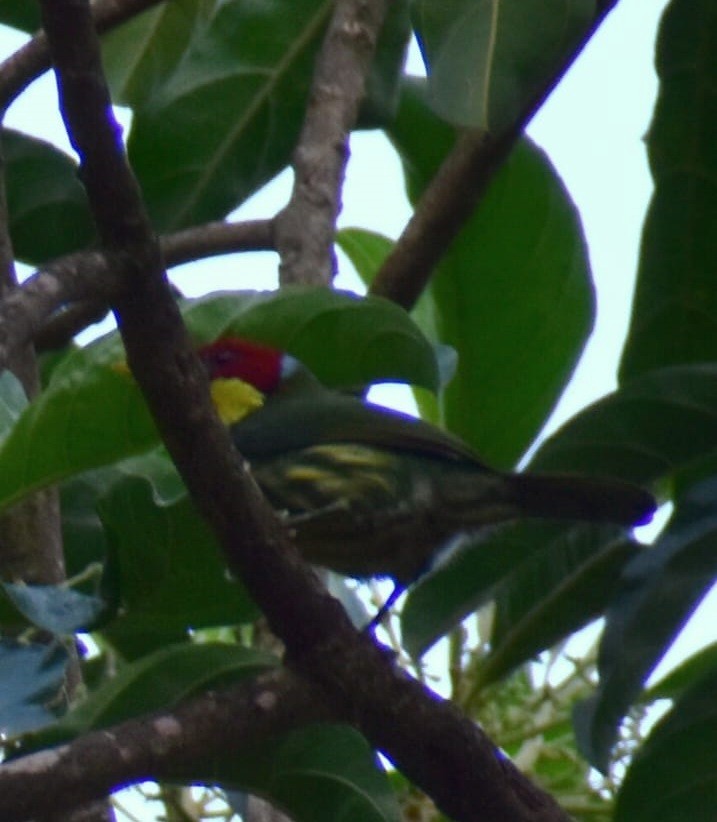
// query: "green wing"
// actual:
[[289, 423]]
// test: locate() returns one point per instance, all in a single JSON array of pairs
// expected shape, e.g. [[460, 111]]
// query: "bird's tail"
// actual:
[[566, 496]]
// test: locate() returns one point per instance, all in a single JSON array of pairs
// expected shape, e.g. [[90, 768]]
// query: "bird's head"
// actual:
[[234, 358], [243, 374]]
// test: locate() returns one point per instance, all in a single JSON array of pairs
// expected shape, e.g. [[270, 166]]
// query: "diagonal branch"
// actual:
[[456, 191], [305, 228]]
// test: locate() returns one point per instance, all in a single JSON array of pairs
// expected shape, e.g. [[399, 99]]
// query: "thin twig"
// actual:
[[305, 228]]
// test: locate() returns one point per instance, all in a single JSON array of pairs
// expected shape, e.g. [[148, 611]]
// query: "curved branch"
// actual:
[[212, 239]]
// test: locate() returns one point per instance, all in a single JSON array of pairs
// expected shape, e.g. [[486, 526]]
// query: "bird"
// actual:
[[368, 491]]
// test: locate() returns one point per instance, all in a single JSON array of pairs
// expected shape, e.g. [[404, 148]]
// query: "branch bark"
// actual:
[[82, 285], [165, 745], [305, 228]]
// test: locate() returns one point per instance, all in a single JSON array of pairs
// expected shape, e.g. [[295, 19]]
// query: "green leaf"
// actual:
[[487, 59], [33, 676], [83, 537], [366, 250], [91, 414], [659, 591], [649, 428], [157, 681], [684, 676], [58, 610], [420, 157], [20, 15], [549, 579], [49, 213], [345, 340], [673, 776], [140, 55], [166, 562], [465, 580], [518, 312], [554, 594], [227, 119], [384, 80], [675, 311], [316, 772]]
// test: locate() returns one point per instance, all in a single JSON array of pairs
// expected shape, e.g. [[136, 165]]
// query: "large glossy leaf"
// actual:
[[693, 669], [466, 579], [345, 340], [166, 562], [649, 428], [49, 214], [383, 83], [675, 311], [32, 680], [548, 580], [141, 54], [659, 591], [20, 14], [92, 412], [227, 119], [486, 59], [513, 296], [551, 596], [674, 774], [317, 772]]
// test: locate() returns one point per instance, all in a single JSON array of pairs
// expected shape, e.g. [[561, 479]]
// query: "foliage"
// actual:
[[217, 92]]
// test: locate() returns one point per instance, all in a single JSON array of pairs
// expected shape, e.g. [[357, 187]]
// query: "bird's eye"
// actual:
[[223, 357]]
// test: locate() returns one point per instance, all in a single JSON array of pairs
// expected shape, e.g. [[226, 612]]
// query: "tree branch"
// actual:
[[305, 228], [165, 745], [82, 285], [456, 191]]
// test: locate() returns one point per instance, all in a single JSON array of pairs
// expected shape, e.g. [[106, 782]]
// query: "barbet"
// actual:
[[371, 492]]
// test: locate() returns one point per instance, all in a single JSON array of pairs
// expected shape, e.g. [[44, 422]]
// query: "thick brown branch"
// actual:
[[456, 191], [305, 228], [166, 745]]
